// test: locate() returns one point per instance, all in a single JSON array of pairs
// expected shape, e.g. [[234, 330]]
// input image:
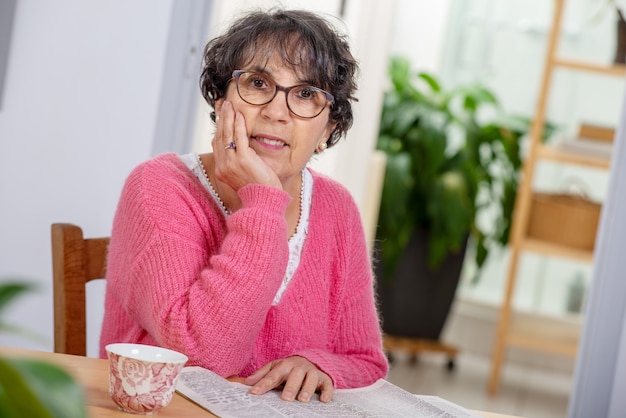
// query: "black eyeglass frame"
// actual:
[[329, 97]]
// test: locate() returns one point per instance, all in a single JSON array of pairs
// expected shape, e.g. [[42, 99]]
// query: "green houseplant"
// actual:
[[451, 154], [34, 388], [446, 161]]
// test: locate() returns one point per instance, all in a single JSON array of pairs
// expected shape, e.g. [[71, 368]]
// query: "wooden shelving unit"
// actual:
[[544, 336], [615, 70], [545, 247], [553, 153], [513, 331]]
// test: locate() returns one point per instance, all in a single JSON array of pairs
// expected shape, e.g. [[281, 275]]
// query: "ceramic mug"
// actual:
[[142, 378]]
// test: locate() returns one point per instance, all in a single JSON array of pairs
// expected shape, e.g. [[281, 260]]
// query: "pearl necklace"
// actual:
[[219, 199], [228, 212]]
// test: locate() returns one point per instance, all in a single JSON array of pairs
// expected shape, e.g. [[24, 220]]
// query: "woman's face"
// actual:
[[283, 140]]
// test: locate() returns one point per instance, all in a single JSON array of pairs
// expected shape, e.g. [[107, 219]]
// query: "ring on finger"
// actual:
[[231, 145]]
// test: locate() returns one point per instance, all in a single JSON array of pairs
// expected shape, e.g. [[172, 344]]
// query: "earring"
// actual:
[[321, 147]]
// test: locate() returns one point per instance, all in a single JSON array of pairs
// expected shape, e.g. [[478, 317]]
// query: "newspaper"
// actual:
[[381, 400]]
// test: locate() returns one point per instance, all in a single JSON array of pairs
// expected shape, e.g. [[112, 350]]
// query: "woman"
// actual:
[[243, 259]]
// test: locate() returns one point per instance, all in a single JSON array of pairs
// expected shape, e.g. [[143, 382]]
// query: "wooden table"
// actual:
[[92, 374]]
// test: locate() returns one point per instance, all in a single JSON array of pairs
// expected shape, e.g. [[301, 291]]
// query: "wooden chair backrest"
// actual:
[[75, 261]]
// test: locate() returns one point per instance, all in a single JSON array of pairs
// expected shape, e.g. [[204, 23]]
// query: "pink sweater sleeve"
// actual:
[[161, 277]]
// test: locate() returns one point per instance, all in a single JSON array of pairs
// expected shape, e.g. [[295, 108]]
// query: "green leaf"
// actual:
[[399, 73], [9, 291], [431, 81], [36, 389], [451, 210]]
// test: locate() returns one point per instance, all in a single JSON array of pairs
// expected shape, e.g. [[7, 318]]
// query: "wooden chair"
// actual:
[[75, 261]]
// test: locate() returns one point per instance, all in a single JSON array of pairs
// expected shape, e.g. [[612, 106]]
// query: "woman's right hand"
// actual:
[[241, 165]]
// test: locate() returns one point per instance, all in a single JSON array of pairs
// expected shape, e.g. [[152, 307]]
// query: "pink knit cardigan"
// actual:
[[182, 276]]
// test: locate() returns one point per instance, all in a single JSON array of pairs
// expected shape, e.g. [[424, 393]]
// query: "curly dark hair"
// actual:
[[305, 42]]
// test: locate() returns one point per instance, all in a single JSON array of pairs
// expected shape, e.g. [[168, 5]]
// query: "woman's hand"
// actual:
[[301, 378], [240, 165]]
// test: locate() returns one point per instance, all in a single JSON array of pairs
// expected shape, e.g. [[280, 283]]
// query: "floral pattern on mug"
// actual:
[[135, 376], [141, 387]]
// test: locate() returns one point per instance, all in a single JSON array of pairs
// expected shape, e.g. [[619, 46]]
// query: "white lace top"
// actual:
[[296, 242]]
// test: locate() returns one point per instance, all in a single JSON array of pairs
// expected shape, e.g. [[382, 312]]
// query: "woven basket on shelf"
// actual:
[[564, 218]]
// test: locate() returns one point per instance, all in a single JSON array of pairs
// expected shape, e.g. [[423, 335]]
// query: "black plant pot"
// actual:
[[415, 302]]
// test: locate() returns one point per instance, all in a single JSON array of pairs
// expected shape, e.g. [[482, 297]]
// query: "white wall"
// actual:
[[79, 111], [419, 32]]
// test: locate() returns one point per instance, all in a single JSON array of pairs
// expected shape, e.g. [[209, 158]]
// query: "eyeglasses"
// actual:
[[302, 100]]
